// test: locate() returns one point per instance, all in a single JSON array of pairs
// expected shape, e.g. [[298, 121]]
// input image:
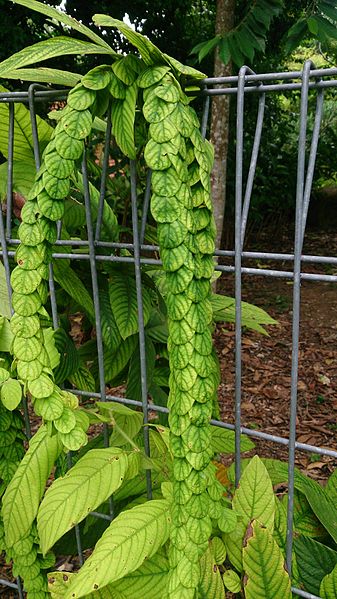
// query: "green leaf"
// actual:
[[50, 48], [123, 299], [314, 561], [62, 17], [232, 581], [128, 421], [331, 486], [134, 390], [149, 52], [205, 48], [11, 394], [23, 137], [210, 582], [23, 178], [110, 332], [22, 497], [115, 362], [254, 498], [135, 535], [152, 75], [328, 588], [85, 486], [295, 34], [150, 581], [73, 285], [123, 121], [265, 573], [45, 75], [82, 379], [69, 358]]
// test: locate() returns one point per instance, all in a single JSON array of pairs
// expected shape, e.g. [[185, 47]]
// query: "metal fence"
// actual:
[[247, 82]]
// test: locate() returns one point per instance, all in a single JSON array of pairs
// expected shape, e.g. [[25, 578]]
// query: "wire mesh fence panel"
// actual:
[[94, 253]]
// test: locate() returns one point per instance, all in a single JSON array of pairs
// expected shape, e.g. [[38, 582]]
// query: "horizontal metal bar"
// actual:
[[102, 516], [42, 95], [7, 583], [244, 430], [281, 274], [312, 258], [280, 87], [304, 593], [283, 76]]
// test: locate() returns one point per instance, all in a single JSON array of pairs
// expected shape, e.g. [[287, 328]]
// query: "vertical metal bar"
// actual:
[[10, 160], [312, 159], [238, 216], [20, 589], [5, 258], [95, 292], [105, 167], [205, 116], [31, 103], [296, 306], [142, 348], [146, 205], [252, 166]]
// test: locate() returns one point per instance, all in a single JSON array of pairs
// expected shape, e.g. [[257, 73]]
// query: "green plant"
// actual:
[[170, 546]]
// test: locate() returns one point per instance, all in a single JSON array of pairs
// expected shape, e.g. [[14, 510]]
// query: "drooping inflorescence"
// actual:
[[181, 161]]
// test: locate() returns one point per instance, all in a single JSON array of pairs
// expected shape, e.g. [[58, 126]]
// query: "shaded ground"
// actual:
[[266, 361]]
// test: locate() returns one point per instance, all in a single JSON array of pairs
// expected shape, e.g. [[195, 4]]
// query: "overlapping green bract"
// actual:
[[181, 161]]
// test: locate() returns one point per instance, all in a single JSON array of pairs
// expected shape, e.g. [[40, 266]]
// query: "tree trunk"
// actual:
[[220, 119]]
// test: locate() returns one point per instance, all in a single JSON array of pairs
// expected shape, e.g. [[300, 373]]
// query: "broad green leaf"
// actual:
[[123, 299], [110, 332], [211, 584], [123, 121], [126, 69], [223, 441], [85, 486], [331, 486], [23, 177], [23, 136], [22, 497], [328, 588], [254, 498], [253, 317], [65, 19], [314, 561], [45, 75], [134, 390], [265, 573], [73, 285], [150, 581], [128, 421], [135, 535], [11, 394], [50, 48], [83, 379], [115, 362], [69, 358], [149, 52]]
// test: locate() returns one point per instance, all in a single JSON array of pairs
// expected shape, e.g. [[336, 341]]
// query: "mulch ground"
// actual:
[[266, 360]]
